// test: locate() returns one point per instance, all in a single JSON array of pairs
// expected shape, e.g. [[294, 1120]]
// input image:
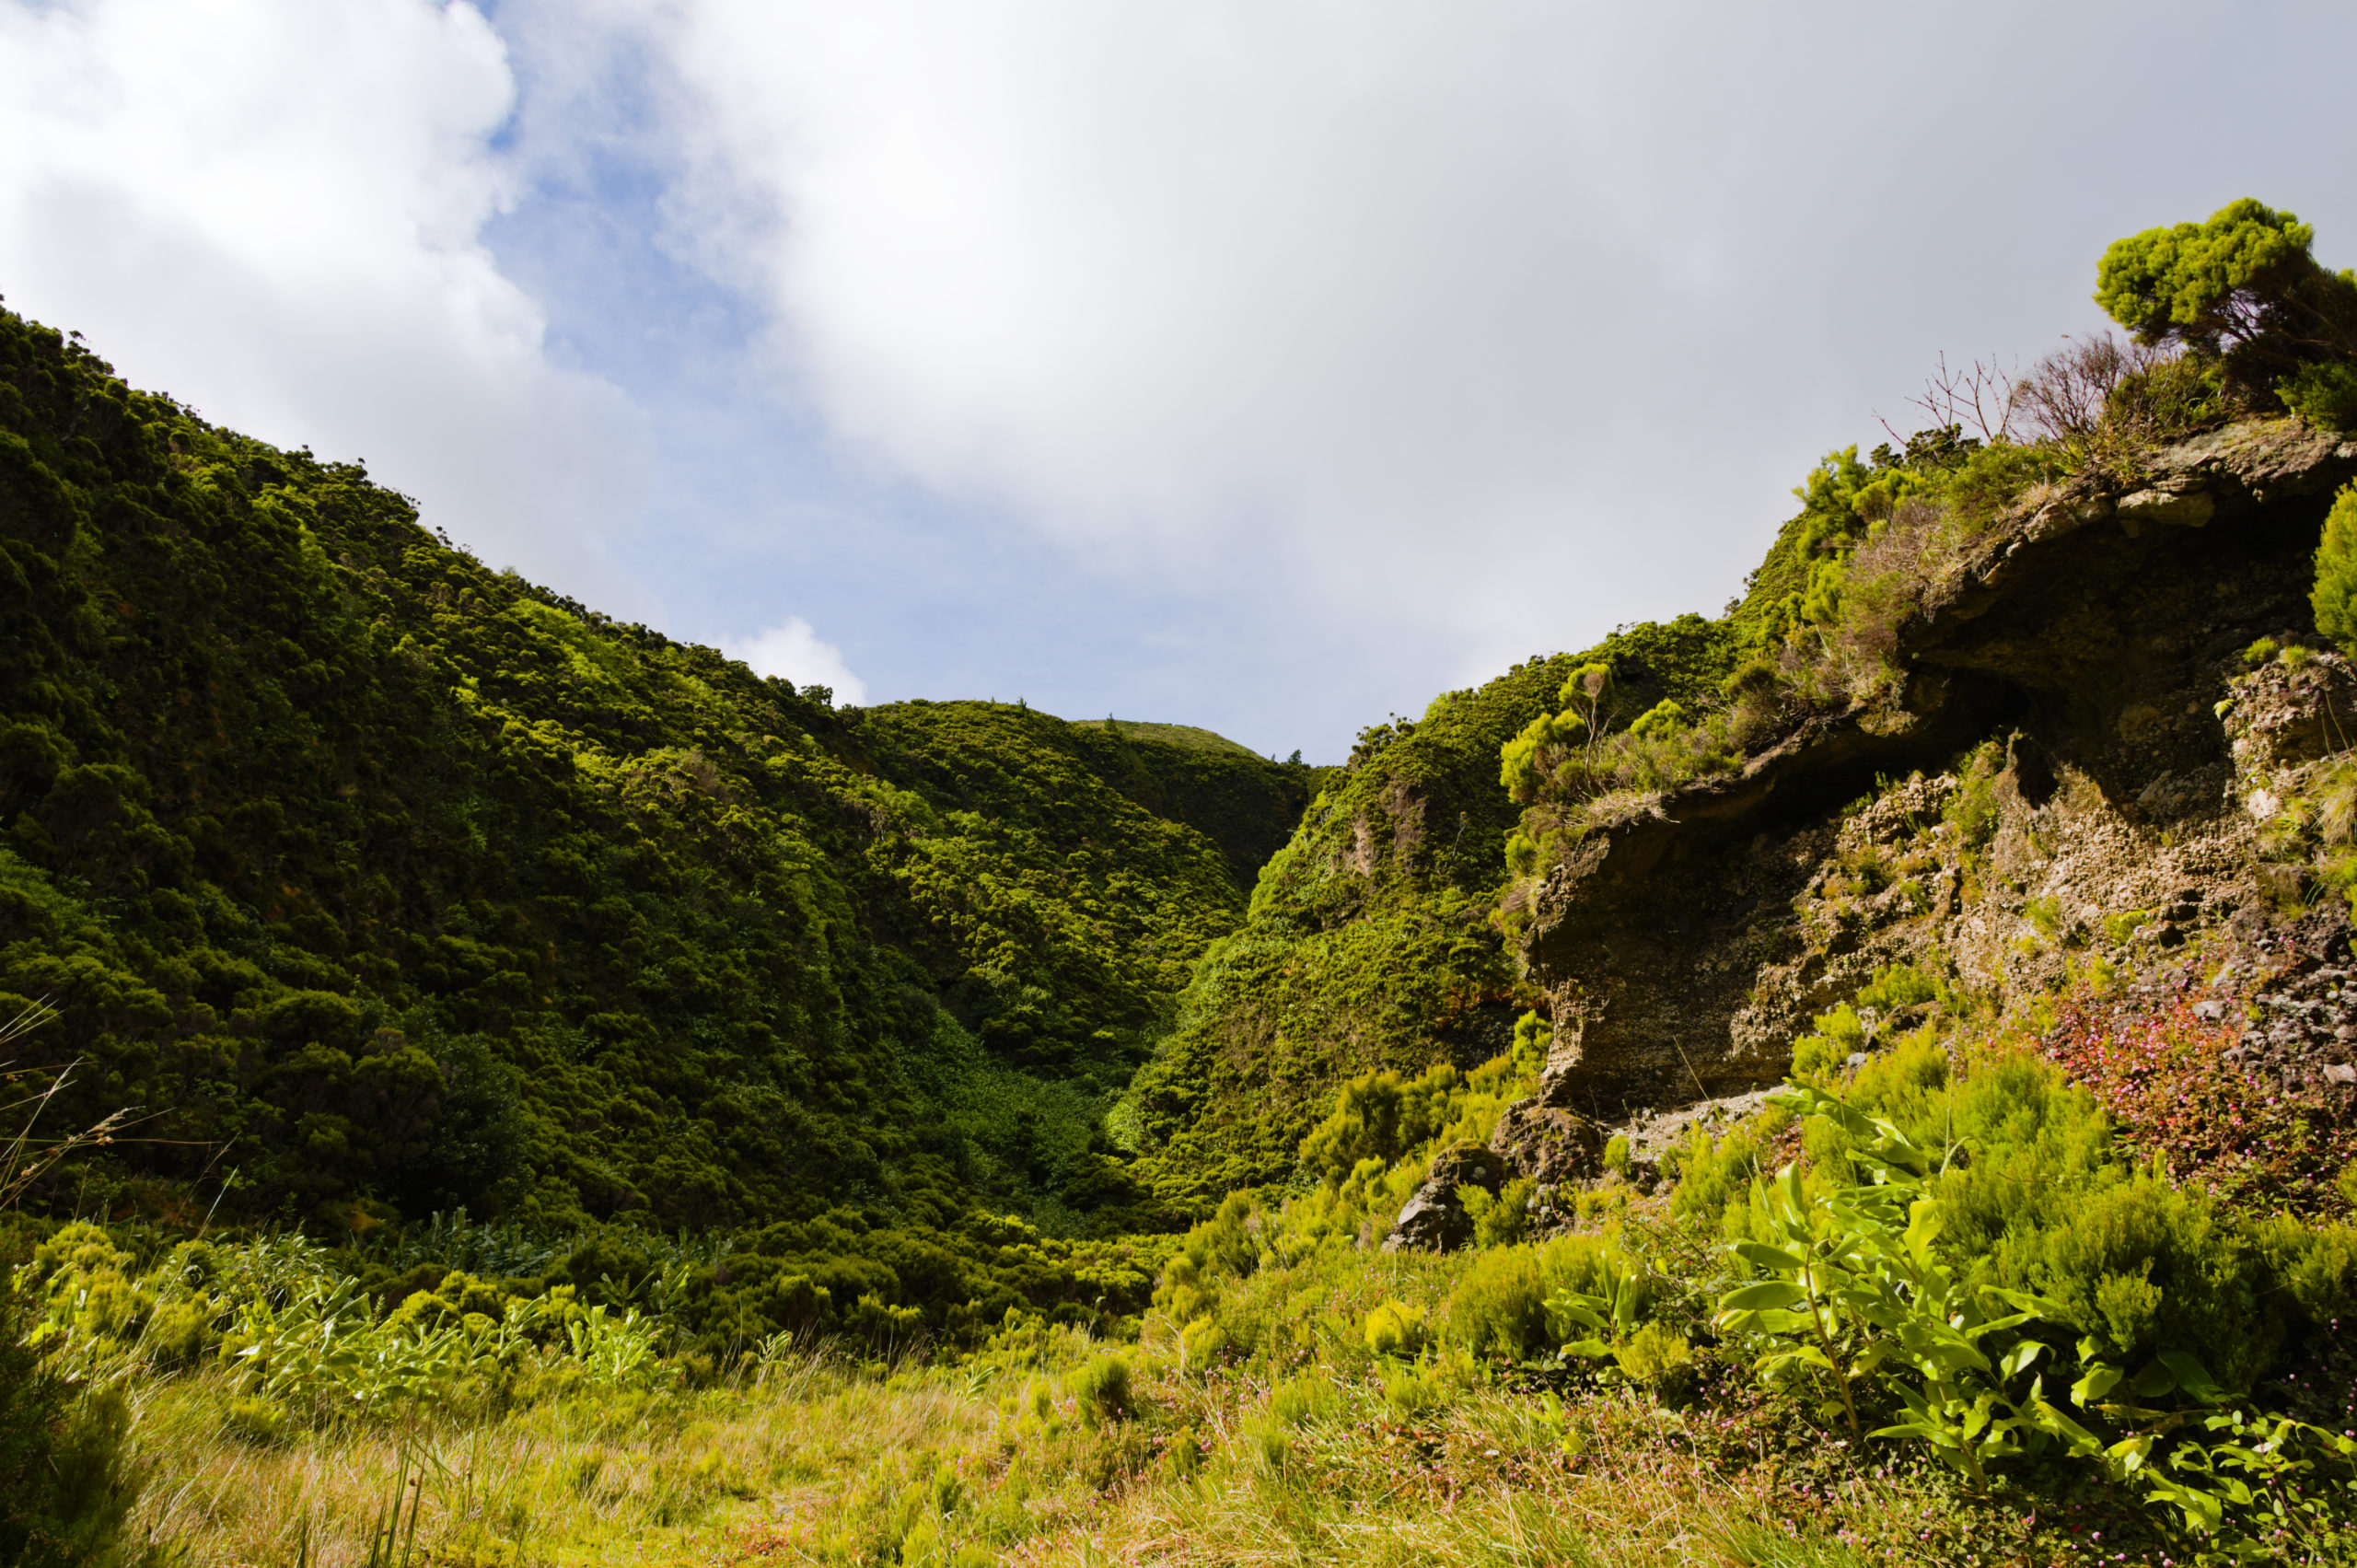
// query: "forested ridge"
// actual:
[[393, 884]]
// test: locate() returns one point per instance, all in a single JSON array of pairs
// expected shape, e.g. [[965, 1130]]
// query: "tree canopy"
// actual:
[[2240, 288]]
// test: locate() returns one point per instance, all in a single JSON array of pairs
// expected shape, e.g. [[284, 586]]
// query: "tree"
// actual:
[[2240, 289]]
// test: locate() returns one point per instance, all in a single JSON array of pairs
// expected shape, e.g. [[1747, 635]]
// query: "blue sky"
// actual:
[[1271, 366]]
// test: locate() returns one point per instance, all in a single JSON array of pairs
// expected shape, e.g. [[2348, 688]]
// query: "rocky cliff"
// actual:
[[2077, 758]]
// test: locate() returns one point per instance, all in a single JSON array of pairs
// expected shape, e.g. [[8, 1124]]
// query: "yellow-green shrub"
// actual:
[[1394, 1329], [1502, 1218], [1499, 1307], [1101, 1389]]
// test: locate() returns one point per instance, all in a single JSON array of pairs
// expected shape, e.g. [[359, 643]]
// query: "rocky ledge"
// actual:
[[2093, 636]]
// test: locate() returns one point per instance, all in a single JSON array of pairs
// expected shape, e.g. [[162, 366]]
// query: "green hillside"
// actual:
[[1182, 735], [1374, 941], [393, 884], [943, 1133]]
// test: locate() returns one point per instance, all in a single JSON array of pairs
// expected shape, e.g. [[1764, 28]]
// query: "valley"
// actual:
[[1869, 1077]]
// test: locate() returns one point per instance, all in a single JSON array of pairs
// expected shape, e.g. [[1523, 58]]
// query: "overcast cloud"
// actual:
[[273, 209], [1262, 365]]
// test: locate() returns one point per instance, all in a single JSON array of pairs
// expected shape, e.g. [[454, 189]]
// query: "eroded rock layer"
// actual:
[[2080, 677]]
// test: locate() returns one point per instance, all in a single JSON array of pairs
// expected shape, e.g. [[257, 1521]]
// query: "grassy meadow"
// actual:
[[1728, 1355]]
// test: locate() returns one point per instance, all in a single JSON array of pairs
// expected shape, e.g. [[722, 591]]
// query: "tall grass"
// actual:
[[822, 1463]]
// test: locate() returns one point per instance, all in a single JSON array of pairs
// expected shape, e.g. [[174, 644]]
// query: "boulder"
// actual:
[[1435, 1220], [1468, 1164], [1549, 1143]]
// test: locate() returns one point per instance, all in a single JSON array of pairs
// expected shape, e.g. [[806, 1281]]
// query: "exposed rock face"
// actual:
[[2299, 1039], [2285, 716], [2094, 639], [1548, 1143]]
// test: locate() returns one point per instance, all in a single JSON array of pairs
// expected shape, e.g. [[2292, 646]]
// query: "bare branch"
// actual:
[[1983, 395]]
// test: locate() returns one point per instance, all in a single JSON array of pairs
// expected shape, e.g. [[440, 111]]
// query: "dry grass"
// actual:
[[1485, 1484]]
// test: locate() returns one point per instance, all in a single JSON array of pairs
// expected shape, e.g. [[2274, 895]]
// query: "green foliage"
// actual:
[[1101, 1389], [1852, 1287], [1380, 1116], [2043, 1202], [1601, 1298], [2239, 289], [1856, 1024], [1533, 1038], [422, 887], [1499, 1307], [1370, 945], [1716, 1172], [1855, 1290], [311, 1346], [1841, 498], [1664, 718], [1657, 672], [65, 1483], [2335, 596], [1972, 810], [1500, 1219], [2324, 395], [1897, 986], [1520, 762], [1394, 1328]]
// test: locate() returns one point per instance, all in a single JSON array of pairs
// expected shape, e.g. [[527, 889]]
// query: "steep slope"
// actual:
[[392, 883], [1371, 942], [2064, 693]]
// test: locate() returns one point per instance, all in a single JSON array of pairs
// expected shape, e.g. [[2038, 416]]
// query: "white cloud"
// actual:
[[274, 210], [1376, 298], [1351, 347], [1486, 319], [793, 650]]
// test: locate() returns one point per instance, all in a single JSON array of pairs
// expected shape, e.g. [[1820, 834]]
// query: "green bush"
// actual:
[[1652, 1353], [66, 1485], [1895, 986], [1101, 1389], [2335, 595], [1378, 1116], [2324, 395], [2035, 1197], [1659, 722], [263, 1422], [1714, 1174], [2315, 1265], [1393, 1328], [1499, 1307], [1500, 1219]]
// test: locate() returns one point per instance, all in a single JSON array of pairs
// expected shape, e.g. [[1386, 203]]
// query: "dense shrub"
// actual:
[[2335, 596], [1500, 1305], [66, 1486]]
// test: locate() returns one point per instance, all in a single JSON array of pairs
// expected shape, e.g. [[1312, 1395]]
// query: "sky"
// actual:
[[1271, 366]]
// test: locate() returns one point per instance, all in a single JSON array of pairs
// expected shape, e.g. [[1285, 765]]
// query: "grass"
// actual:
[[1295, 1394], [824, 1463]]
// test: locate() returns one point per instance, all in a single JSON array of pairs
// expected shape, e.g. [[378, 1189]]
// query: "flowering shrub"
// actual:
[[2171, 1082]]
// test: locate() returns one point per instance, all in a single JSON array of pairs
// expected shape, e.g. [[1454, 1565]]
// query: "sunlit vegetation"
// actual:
[[501, 1086]]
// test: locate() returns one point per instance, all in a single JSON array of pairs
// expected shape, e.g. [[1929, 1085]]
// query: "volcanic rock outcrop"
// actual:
[[2082, 665]]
